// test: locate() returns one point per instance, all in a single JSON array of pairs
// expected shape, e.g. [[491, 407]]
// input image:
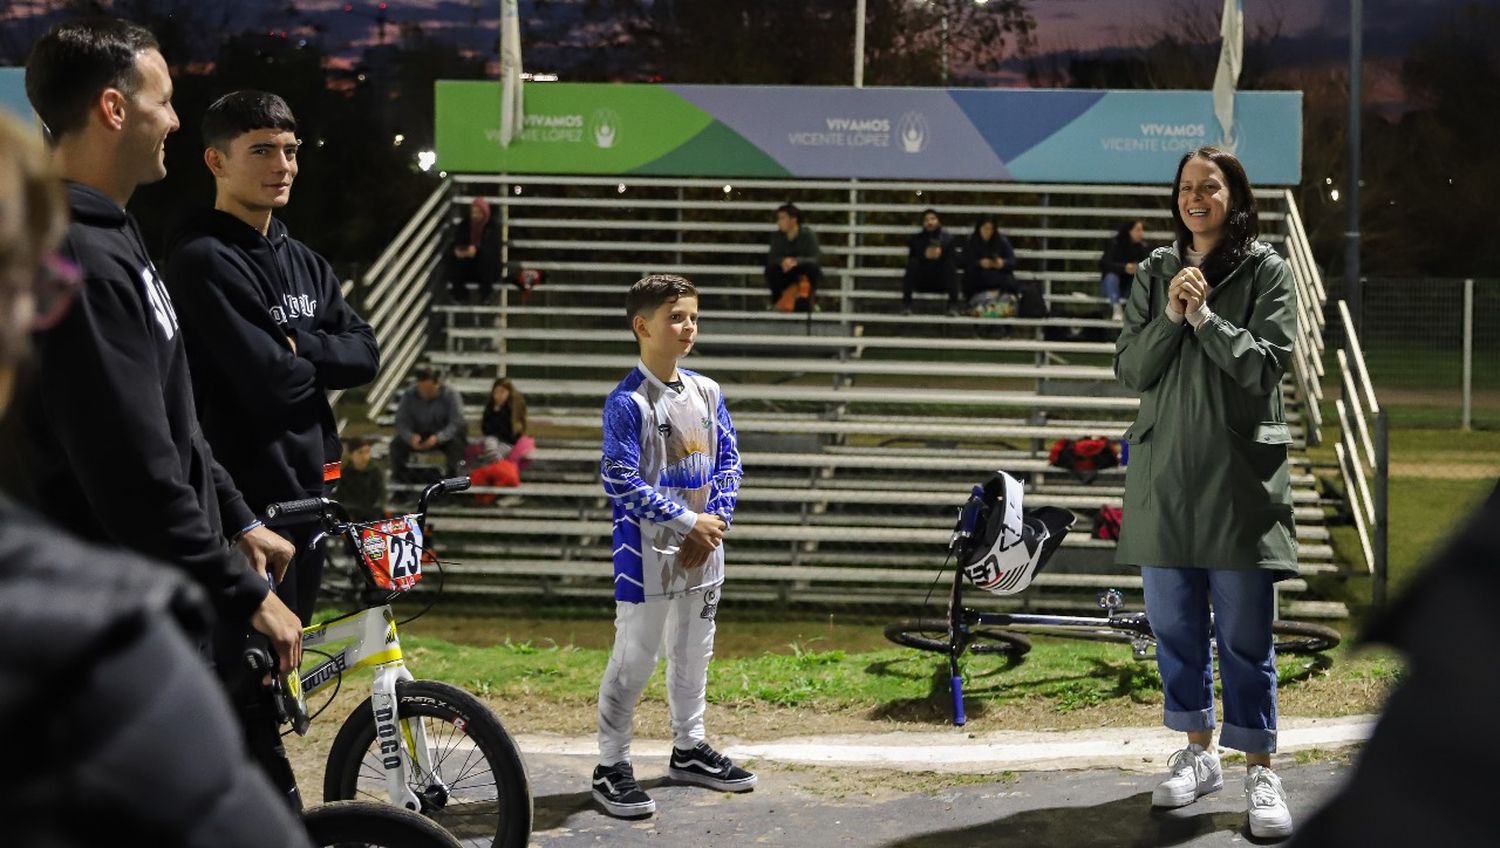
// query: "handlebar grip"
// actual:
[[293, 509], [455, 484], [970, 516], [259, 656]]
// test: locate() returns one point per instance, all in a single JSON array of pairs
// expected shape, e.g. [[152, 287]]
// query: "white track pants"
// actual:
[[688, 624]]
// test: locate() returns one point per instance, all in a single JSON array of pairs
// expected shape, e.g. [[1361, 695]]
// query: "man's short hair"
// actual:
[[354, 443], [930, 211], [427, 374], [791, 211], [239, 112], [652, 291], [75, 62]]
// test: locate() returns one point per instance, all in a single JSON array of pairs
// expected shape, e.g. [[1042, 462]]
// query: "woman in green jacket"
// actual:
[[1208, 510]]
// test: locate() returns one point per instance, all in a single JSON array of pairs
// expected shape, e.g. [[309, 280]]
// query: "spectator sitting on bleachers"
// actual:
[[504, 419], [430, 417], [476, 254], [361, 488], [793, 254], [989, 264], [1121, 256], [930, 265]]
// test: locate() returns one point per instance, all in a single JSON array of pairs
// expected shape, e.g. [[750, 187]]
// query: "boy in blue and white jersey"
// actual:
[[672, 469]]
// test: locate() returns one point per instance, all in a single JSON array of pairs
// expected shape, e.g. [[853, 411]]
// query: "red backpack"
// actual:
[[1107, 523], [1085, 458]]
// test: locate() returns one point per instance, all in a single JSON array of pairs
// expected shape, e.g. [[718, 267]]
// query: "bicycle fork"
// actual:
[[395, 735]]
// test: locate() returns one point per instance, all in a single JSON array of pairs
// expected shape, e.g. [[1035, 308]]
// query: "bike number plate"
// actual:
[[392, 550]]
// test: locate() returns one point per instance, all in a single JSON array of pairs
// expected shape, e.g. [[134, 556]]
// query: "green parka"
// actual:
[[1208, 484]]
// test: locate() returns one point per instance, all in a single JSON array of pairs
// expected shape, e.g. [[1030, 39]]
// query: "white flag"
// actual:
[[510, 72], [1231, 54]]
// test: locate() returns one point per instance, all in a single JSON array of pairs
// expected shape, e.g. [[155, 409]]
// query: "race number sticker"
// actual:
[[393, 552]]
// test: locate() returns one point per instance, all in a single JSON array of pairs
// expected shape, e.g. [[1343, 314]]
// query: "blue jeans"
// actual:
[[1177, 603], [1110, 287]]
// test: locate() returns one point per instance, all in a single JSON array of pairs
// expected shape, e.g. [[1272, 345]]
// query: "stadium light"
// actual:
[[728, 189], [426, 159], [1334, 195], [398, 139]]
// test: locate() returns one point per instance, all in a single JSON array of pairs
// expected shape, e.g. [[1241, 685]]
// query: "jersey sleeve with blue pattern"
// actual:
[[724, 490]]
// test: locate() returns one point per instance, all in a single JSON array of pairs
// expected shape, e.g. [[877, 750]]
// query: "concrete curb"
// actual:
[[957, 751]]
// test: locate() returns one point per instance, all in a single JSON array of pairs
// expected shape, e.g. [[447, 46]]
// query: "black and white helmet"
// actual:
[[1010, 543]]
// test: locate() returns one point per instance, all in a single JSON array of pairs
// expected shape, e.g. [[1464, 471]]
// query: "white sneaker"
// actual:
[[1269, 817], [1195, 772], [1117, 312]]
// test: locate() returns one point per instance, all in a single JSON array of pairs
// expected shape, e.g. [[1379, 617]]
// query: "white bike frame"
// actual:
[[375, 644]]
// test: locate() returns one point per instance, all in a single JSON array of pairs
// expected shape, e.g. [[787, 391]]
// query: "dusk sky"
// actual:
[[1312, 30]]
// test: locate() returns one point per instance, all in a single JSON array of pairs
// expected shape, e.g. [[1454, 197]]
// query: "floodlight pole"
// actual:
[[1351, 231], [859, 44]]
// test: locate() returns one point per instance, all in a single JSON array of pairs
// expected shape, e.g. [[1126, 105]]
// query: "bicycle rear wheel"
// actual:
[[931, 634], [356, 823], [478, 790], [1294, 638]]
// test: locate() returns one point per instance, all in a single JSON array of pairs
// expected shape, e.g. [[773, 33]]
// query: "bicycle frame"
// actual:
[[375, 644]]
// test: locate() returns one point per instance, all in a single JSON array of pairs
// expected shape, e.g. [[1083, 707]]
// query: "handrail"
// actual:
[[1362, 373], [423, 213]]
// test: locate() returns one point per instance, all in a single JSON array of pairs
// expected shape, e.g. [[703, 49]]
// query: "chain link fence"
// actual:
[[1414, 333]]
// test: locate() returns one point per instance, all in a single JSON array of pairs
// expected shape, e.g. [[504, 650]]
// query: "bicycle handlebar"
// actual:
[[306, 507]]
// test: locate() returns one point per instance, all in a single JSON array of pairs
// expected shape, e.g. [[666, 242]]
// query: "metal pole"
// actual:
[[859, 44], [1351, 231], [1382, 501], [1468, 354], [945, 47]]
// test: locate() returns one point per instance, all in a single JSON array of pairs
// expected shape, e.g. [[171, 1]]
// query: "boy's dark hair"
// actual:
[[425, 373], [791, 211], [652, 291], [75, 62], [930, 211], [354, 443], [239, 112]]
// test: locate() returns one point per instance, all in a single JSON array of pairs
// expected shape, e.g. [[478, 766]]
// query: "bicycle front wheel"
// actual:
[[931, 634], [352, 823], [1295, 638], [477, 788]]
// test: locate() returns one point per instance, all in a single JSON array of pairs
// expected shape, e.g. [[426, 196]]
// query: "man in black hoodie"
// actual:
[[268, 330], [930, 263], [112, 438]]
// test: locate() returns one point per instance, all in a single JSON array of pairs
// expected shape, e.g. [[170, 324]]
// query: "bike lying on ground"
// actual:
[[1001, 547], [419, 744]]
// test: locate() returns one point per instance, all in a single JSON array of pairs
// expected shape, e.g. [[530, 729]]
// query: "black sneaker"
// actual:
[[617, 792], [704, 766]]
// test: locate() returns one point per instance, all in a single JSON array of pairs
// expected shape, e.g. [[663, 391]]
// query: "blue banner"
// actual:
[[1029, 135]]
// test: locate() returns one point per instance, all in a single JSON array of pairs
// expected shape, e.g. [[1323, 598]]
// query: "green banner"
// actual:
[[589, 128]]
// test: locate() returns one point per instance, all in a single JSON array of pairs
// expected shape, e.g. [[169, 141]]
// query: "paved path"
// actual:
[[1079, 790]]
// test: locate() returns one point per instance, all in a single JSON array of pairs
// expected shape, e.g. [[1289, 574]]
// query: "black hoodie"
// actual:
[[114, 447], [242, 295]]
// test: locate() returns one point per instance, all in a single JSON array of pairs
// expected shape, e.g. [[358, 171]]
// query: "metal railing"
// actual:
[[1363, 452], [398, 294], [1308, 347]]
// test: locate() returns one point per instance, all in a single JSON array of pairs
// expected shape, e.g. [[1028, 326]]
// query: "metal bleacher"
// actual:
[[862, 429]]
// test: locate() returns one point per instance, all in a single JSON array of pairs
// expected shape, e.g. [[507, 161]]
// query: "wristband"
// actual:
[[248, 527]]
